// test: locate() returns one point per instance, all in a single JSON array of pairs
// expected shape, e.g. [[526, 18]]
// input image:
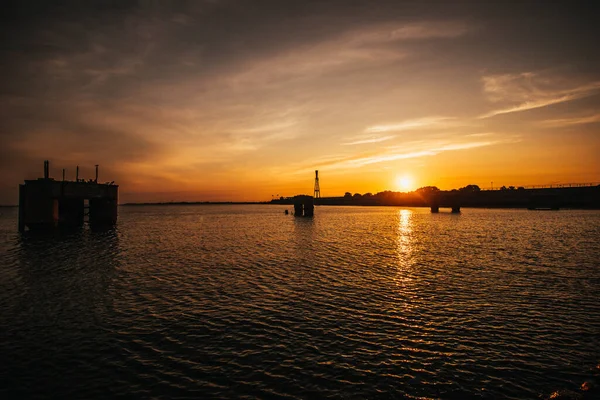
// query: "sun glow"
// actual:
[[404, 183]]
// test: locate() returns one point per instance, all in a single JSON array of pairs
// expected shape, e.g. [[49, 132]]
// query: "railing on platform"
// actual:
[[546, 186]]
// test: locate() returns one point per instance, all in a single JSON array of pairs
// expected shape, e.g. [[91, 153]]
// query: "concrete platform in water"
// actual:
[[304, 206], [45, 203]]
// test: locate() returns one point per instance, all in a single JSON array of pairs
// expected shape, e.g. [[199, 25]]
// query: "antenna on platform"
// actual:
[[317, 188]]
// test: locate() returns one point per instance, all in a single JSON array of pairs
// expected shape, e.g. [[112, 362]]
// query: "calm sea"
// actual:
[[246, 302]]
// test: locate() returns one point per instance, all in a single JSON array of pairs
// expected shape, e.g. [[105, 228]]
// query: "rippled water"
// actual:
[[245, 302]]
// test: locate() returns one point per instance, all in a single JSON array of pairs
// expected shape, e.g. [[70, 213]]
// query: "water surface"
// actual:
[[245, 302]]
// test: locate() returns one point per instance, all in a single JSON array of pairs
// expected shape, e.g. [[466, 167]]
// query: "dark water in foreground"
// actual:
[[244, 302]]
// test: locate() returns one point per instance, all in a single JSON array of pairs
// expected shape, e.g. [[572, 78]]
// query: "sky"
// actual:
[[241, 100]]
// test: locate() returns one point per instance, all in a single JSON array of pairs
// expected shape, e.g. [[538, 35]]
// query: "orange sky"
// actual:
[[220, 101]]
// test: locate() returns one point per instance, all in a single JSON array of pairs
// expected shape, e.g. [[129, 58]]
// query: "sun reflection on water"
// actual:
[[404, 245]]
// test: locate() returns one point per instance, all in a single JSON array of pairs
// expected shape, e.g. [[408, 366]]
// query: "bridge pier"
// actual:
[[455, 209], [435, 209]]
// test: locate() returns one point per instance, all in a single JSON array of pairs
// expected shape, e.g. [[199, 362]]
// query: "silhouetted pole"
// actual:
[[317, 194], [77, 174], [46, 169], [63, 174], [96, 173]]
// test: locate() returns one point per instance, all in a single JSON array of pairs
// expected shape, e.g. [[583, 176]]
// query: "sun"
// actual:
[[404, 182]]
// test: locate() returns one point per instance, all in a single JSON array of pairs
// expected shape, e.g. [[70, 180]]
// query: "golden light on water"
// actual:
[[404, 246], [404, 231]]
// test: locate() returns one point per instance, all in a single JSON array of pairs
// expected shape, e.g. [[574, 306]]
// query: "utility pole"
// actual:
[[317, 188]]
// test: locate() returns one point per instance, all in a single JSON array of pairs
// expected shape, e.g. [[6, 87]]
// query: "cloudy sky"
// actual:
[[242, 99]]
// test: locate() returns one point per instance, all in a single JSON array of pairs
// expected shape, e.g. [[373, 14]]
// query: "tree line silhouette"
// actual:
[[470, 196]]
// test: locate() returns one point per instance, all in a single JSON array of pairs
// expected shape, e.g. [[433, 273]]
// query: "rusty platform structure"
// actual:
[[46, 204]]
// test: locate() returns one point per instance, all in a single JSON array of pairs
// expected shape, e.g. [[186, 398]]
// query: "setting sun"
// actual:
[[404, 183]]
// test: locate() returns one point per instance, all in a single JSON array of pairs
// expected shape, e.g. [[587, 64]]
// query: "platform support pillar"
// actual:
[[22, 217], [103, 212]]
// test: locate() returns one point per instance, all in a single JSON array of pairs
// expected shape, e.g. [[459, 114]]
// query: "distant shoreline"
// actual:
[[325, 205], [491, 207], [577, 198], [196, 203]]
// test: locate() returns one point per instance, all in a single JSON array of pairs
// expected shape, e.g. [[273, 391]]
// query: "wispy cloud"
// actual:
[[563, 122], [528, 90], [423, 153], [391, 157], [374, 139], [416, 149], [385, 33], [358, 48], [409, 124], [272, 127], [370, 134], [481, 134]]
